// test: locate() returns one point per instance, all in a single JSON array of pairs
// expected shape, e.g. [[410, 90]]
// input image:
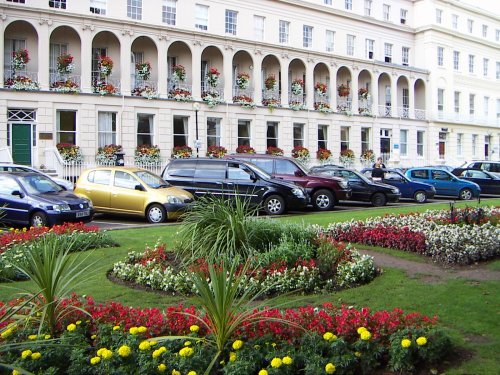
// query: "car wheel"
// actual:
[[420, 196], [156, 213], [274, 205], [465, 194], [323, 200], [39, 219], [378, 200]]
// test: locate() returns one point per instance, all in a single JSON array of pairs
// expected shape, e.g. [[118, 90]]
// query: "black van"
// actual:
[[230, 178]]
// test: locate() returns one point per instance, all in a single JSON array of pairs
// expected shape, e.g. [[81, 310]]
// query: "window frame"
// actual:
[[60, 132], [169, 12], [403, 142], [284, 32], [329, 43], [272, 141], [307, 36], [386, 12], [98, 7], [151, 132], [57, 4], [134, 9], [214, 139], [245, 140], [106, 134], [201, 17], [440, 56], [231, 22], [350, 42]]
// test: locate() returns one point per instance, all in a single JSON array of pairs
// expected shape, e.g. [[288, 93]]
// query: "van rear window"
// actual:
[[183, 168]]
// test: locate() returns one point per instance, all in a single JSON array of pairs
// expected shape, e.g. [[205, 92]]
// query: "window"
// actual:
[[348, 4], [328, 2], [344, 138], [181, 131], [106, 129], [369, 48], [485, 31], [258, 27], [440, 52], [497, 35], [365, 139], [16, 1], [298, 134], [55, 50], [403, 142], [201, 17], [368, 7], [471, 63], [456, 60], [169, 12], [486, 104], [498, 70], [237, 171], [386, 12], [66, 127], [498, 109], [439, 15], [456, 101], [307, 36], [387, 52], [420, 143], [231, 18], [98, 6], [61, 4], [474, 144], [403, 15], [460, 138], [405, 56], [284, 31], [272, 134], [134, 9], [243, 132], [440, 104], [486, 62], [472, 98], [145, 134], [470, 25], [323, 137], [454, 21], [330, 40], [213, 131], [350, 45]]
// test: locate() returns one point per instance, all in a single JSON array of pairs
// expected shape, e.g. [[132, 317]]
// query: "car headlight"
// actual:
[[344, 184], [90, 203], [61, 207], [172, 199], [298, 193], [433, 189], [395, 191]]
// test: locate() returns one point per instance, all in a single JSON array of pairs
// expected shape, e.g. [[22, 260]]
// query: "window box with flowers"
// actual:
[[103, 88], [345, 109], [213, 77], [107, 155], [322, 107], [245, 149], [65, 64], [212, 98], [105, 65], [243, 80], [296, 105], [321, 89], [147, 154], [276, 151], [323, 155], [181, 95], [363, 93], [302, 154], [20, 59], [65, 86], [297, 87], [271, 103], [347, 158], [146, 92], [216, 152], [245, 101], [367, 158], [21, 83], [71, 154], [270, 83], [143, 70], [179, 72], [365, 111], [343, 90], [181, 152]]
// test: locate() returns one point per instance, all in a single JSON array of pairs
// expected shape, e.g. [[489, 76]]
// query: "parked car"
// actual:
[[445, 183], [324, 191], [487, 181], [486, 165], [30, 198], [363, 189], [132, 191], [230, 178], [5, 167], [418, 191], [447, 168]]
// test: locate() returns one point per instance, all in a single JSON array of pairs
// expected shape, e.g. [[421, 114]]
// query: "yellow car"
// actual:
[[132, 191]]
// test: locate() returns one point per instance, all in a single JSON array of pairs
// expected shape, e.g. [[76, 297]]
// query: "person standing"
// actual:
[[378, 170]]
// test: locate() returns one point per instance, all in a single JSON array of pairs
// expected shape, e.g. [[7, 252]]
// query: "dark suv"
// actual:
[[230, 178], [325, 192]]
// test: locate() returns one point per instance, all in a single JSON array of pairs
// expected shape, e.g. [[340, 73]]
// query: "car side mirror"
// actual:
[[18, 193], [63, 187], [139, 187], [299, 174]]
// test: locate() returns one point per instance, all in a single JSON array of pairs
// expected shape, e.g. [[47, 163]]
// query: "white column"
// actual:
[[256, 80], [354, 94], [284, 63], [196, 69], [86, 59], [125, 51], [43, 54], [394, 96], [374, 94], [333, 87], [227, 73], [411, 99], [162, 67], [2, 47], [309, 86]]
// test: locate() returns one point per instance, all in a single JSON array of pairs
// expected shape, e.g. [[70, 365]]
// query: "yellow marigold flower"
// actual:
[[116, 328], [78, 322], [145, 345], [357, 354], [194, 328], [107, 354], [287, 360], [186, 352], [124, 351], [330, 368], [152, 342], [162, 349], [36, 355], [32, 337], [232, 356], [405, 343], [15, 372], [361, 329], [26, 353], [366, 335], [187, 343], [175, 372], [46, 337], [142, 329], [263, 372], [328, 336], [256, 346], [7, 333], [95, 360], [93, 337], [133, 330], [237, 345], [156, 353], [421, 341], [191, 373], [71, 327], [162, 367], [276, 362], [273, 345]]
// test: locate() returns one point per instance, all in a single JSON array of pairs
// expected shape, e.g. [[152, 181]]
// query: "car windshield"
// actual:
[[39, 184], [259, 171], [152, 180]]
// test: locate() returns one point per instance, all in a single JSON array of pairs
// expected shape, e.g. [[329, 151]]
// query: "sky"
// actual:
[[492, 6]]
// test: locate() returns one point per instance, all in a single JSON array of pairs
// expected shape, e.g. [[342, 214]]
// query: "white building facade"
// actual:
[[415, 81]]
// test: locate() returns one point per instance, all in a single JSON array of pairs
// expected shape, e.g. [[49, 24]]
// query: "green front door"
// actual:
[[21, 143]]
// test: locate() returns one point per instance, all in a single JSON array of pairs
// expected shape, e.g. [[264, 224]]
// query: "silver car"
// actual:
[[7, 167]]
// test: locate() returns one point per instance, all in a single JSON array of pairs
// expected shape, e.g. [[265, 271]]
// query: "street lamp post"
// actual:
[[196, 107]]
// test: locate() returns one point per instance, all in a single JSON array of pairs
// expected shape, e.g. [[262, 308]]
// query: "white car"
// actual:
[[5, 167]]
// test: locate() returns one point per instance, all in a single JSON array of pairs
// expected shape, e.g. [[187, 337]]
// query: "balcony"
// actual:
[[144, 88], [180, 91], [65, 83], [25, 81], [107, 86]]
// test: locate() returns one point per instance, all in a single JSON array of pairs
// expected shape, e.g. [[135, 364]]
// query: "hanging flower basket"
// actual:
[[21, 83], [70, 153], [20, 58], [105, 65], [147, 154], [145, 92], [181, 152], [364, 111], [321, 88], [212, 98], [180, 95], [179, 72], [243, 80], [343, 90], [216, 152], [297, 87], [65, 86], [323, 154], [104, 88], [363, 93], [271, 150], [271, 83], [245, 149], [213, 77], [143, 70], [65, 64], [244, 101]]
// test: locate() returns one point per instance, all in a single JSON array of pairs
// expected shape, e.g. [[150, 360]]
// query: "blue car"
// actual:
[[418, 191], [445, 183], [29, 198]]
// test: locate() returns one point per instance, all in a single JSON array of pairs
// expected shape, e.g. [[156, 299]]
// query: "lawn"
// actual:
[[467, 309]]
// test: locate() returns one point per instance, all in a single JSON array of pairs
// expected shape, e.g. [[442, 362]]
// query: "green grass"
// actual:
[[469, 310]]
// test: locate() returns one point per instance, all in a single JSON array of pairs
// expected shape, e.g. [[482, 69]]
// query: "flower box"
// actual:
[[245, 149], [147, 154], [323, 154], [321, 88], [322, 107], [104, 88], [21, 83], [20, 59], [181, 152], [213, 77], [271, 150], [212, 98], [244, 100], [300, 152], [270, 83], [297, 87], [181, 95], [105, 65], [65, 86], [216, 152], [70, 153], [271, 103], [107, 155], [346, 158], [363, 93], [145, 92]]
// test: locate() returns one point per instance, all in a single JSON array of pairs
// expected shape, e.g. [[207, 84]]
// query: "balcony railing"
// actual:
[[403, 112], [145, 88], [321, 98], [420, 114], [27, 81], [180, 90], [107, 86], [65, 83], [344, 105], [271, 95], [249, 91], [385, 111]]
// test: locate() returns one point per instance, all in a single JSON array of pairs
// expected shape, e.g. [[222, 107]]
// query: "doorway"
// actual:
[[21, 143]]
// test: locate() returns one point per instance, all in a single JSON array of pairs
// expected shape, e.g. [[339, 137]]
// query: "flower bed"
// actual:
[[450, 237]]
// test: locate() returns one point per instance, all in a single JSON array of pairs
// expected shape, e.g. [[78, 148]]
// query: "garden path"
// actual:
[[432, 272]]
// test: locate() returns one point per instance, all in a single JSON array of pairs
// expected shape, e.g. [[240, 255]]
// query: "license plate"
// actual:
[[83, 213]]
